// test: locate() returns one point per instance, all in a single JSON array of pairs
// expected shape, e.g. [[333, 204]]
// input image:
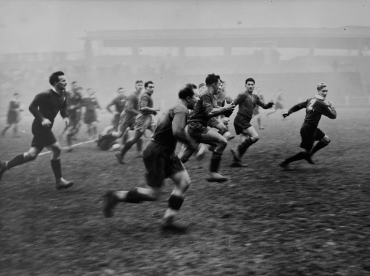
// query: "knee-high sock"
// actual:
[[215, 162], [57, 168], [5, 129], [318, 147], [299, 156], [126, 148], [139, 145], [125, 137], [69, 139], [242, 148], [16, 161]]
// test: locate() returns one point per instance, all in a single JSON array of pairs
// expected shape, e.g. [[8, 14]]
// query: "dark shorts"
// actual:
[[213, 122], [160, 163], [90, 117], [241, 122], [12, 117], [195, 130], [309, 135], [42, 137]]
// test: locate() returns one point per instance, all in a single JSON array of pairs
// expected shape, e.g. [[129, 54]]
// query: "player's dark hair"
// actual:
[[119, 88], [250, 79], [212, 79], [55, 77], [138, 81], [147, 83], [187, 91]]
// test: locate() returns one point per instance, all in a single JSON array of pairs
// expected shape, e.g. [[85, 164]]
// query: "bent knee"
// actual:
[[254, 139], [325, 140], [30, 156]]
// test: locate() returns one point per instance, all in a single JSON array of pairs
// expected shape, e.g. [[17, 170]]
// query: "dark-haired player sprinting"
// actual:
[[161, 162], [45, 108], [247, 101], [315, 107]]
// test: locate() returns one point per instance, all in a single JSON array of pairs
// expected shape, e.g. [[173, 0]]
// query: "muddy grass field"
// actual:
[[310, 220]]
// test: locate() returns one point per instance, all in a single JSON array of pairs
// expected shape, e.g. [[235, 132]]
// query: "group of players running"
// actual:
[[175, 125]]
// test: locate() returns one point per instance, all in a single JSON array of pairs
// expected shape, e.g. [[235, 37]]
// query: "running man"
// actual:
[[90, 118], [74, 113], [247, 101], [45, 108], [161, 162], [315, 108], [127, 118], [119, 103], [143, 121], [204, 110], [13, 116], [278, 102]]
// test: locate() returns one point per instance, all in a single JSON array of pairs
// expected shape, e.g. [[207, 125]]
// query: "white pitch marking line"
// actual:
[[75, 145]]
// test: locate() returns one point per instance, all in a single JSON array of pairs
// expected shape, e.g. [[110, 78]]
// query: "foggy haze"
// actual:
[[47, 26]]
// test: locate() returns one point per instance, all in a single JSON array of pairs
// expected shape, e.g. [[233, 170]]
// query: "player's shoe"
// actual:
[[216, 177], [119, 158], [236, 155], [283, 164], [308, 158], [236, 164], [229, 136], [63, 184], [3, 168], [168, 224], [110, 201]]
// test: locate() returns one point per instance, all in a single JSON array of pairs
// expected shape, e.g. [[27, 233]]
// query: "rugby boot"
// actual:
[[308, 158], [216, 177], [168, 224], [119, 158], [3, 168], [110, 201], [237, 164], [63, 184], [236, 155]]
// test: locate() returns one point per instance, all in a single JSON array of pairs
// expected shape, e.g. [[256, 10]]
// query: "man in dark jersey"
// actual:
[[315, 107], [247, 101], [74, 114], [161, 162], [13, 116], [143, 121], [45, 108], [204, 110], [119, 103]]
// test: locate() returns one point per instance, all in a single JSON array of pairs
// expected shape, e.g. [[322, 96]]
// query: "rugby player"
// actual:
[[13, 116], [161, 162], [315, 108], [247, 101], [143, 121]]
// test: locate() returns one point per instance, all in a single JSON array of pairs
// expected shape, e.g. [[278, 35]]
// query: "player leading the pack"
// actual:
[[315, 107]]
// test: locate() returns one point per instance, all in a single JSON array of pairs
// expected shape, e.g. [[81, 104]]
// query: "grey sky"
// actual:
[[46, 26]]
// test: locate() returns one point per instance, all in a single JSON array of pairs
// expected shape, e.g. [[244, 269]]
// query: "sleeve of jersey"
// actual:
[[298, 107], [143, 102], [179, 122], [238, 99], [207, 104], [34, 107]]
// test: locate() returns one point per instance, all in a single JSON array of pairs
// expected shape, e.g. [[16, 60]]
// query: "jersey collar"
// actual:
[[319, 97]]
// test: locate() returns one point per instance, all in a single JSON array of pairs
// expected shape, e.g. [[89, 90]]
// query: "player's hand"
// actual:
[[329, 103], [271, 103], [66, 121], [286, 114], [230, 106], [45, 122]]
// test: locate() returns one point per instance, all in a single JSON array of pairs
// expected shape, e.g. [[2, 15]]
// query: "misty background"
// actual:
[[284, 45]]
